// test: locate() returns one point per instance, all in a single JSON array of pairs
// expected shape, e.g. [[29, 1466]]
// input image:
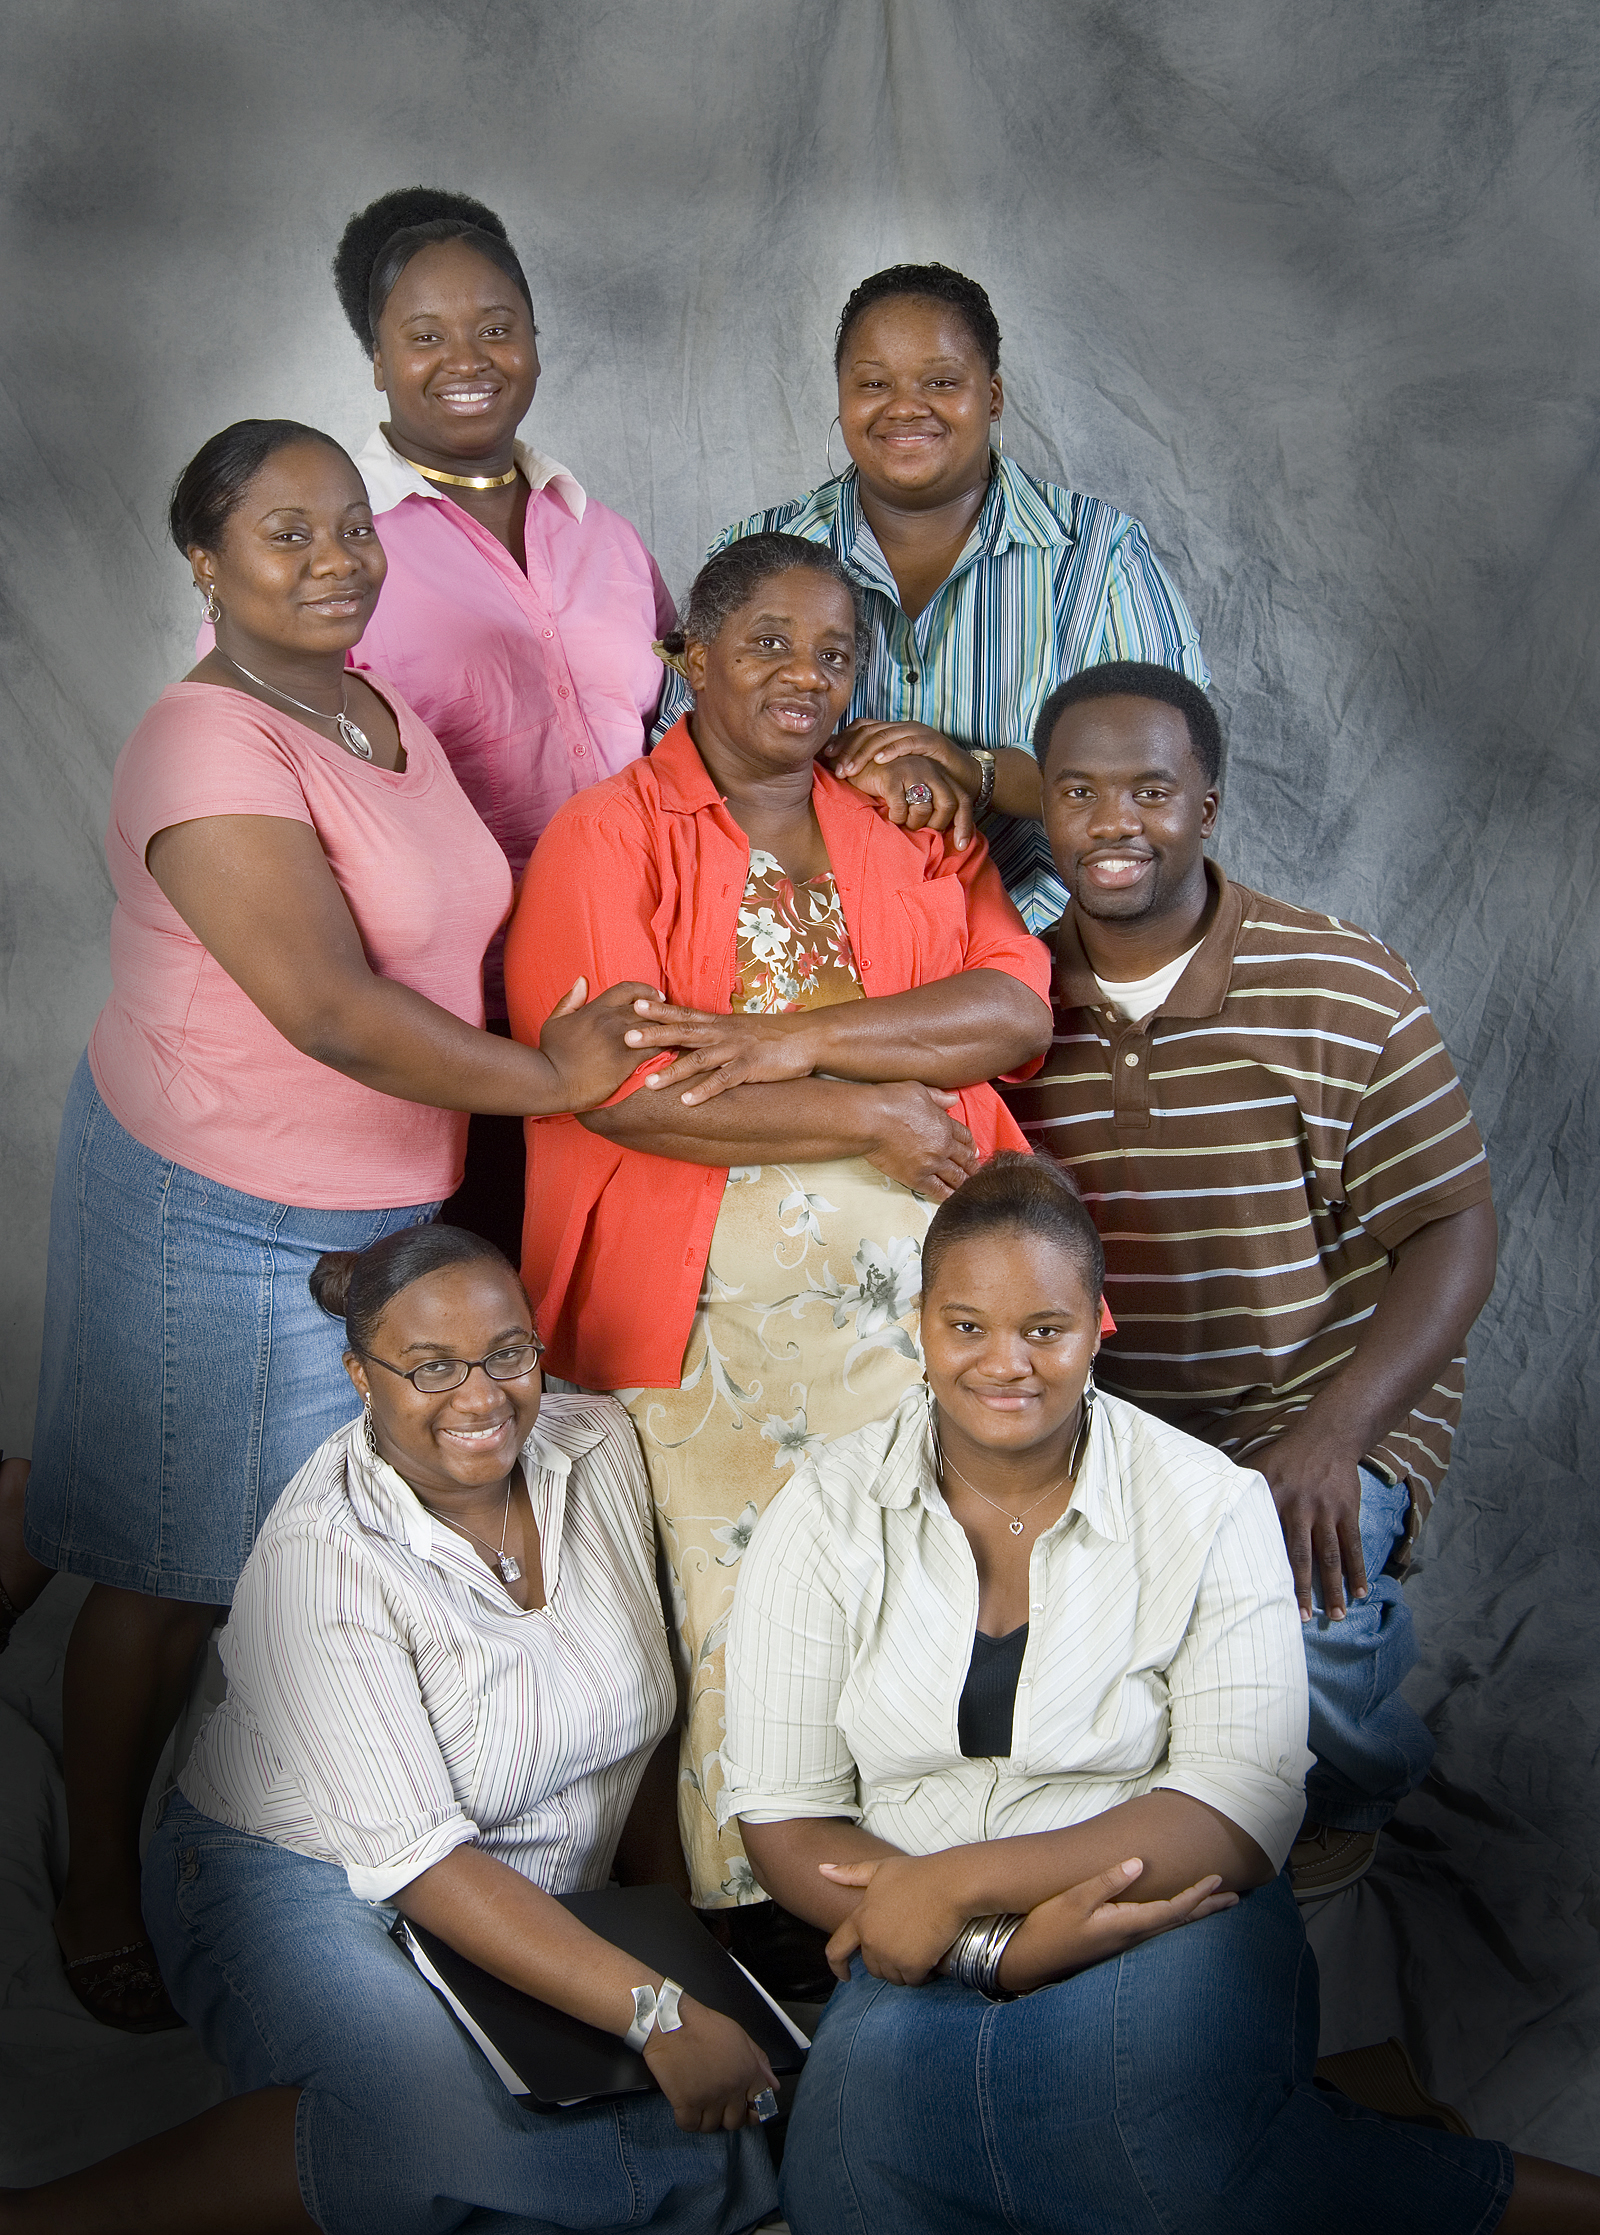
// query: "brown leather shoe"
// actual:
[[1324, 1860], [1384, 2078]]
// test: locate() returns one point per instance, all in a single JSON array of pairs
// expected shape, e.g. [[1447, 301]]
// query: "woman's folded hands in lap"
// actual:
[[913, 1908], [902, 1913], [1082, 1925]]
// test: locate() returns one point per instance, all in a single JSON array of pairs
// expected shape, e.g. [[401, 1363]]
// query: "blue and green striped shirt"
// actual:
[[1049, 582]]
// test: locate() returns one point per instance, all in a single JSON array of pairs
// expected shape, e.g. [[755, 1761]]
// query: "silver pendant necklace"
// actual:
[[507, 1565], [1015, 1520], [355, 738]]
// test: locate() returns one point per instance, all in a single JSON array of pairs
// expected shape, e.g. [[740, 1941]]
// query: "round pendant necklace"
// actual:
[[507, 1566], [354, 738]]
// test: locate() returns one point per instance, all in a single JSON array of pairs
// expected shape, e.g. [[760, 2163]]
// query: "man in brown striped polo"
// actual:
[[1294, 1201]]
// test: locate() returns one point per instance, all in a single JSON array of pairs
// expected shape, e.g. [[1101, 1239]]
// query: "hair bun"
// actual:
[[362, 241], [329, 1280]]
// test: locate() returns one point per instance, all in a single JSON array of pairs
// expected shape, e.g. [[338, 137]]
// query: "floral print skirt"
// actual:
[[806, 1330]]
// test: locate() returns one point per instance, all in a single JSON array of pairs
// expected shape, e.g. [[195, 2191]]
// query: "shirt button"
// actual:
[[549, 632], [1132, 1061], [563, 692]]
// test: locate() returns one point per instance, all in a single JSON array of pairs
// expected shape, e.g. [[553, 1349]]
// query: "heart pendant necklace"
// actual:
[[1014, 1521]]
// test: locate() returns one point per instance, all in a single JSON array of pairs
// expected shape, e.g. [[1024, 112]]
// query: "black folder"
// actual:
[[551, 2060]]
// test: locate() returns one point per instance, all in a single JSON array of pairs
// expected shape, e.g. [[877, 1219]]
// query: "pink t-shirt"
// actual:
[[186, 1062]]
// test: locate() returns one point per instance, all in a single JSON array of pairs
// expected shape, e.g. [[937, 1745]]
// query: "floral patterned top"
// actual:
[[793, 947]]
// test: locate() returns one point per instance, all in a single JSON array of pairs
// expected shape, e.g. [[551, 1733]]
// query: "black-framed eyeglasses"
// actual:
[[435, 1375]]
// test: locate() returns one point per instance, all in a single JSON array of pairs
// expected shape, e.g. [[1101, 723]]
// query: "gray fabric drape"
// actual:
[[1312, 292]]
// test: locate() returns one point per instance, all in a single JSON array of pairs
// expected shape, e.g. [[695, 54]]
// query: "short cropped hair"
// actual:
[[1137, 679], [1018, 1194], [940, 284], [211, 487], [359, 1285], [731, 577], [381, 240]]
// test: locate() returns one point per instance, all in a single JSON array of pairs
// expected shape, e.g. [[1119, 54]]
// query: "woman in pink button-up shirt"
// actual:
[[519, 615]]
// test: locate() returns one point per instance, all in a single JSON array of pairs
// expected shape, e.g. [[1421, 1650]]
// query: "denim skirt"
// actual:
[[187, 1375], [403, 2127]]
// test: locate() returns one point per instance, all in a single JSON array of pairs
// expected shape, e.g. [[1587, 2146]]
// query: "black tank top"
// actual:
[[989, 1696]]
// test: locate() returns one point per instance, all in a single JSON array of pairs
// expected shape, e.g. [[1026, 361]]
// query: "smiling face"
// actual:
[[455, 358], [468, 1438], [916, 401], [1009, 1331], [1128, 811], [770, 689], [298, 566]]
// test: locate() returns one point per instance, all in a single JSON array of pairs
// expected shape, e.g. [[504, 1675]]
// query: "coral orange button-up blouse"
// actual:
[[641, 877]]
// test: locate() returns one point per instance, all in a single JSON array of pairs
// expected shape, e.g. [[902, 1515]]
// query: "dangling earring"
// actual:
[[366, 1429], [1089, 1394], [210, 612], [997, 440], [833, 470]]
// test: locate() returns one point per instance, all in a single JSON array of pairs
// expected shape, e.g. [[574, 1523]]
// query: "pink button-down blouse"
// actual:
[[537, 684]]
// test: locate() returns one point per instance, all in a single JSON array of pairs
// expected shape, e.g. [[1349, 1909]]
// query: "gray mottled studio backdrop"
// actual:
[[1311, 290]]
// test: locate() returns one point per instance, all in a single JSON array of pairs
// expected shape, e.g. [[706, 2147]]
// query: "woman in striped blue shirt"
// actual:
[[983, 587]]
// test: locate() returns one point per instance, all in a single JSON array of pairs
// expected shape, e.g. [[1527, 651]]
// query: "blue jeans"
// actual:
[[187, 1374], [403, 2128], [1167, 2092], [1372, 1747]]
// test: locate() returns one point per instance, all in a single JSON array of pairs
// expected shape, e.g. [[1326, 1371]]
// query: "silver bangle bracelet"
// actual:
[[654, 2012], [976, 1952]]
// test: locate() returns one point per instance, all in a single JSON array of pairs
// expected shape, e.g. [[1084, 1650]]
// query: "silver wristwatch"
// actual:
[[985, 761]]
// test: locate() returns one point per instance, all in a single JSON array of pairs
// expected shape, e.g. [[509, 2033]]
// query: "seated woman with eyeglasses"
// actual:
[[447, 1681]]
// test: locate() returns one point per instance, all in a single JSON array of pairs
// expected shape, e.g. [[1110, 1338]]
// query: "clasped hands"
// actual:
[[911, 1132], [889, 759], [911, 1911]]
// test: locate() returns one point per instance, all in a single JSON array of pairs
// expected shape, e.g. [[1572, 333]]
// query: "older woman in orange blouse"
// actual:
[[734, 1242]]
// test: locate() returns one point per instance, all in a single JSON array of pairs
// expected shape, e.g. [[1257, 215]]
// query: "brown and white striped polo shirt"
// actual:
[[1251, 1154]]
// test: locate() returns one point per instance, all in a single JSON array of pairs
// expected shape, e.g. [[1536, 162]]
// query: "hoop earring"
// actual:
[[833, 471], [997, 440], [210, 612]]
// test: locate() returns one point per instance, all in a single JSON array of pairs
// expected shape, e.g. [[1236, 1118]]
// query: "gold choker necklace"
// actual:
[[463, 480]]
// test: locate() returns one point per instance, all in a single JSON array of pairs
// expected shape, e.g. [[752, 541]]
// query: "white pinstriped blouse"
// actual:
[[388, 1700], [1164, 1648]]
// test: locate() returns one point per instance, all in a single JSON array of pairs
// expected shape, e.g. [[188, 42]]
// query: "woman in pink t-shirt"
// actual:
[[293, 1040]]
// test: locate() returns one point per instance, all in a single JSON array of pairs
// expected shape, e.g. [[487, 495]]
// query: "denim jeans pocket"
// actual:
[[202, 1851]]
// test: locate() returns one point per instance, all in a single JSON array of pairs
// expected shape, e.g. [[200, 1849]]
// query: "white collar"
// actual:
[[385, 1503], [909, 1469], [389, 477]]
